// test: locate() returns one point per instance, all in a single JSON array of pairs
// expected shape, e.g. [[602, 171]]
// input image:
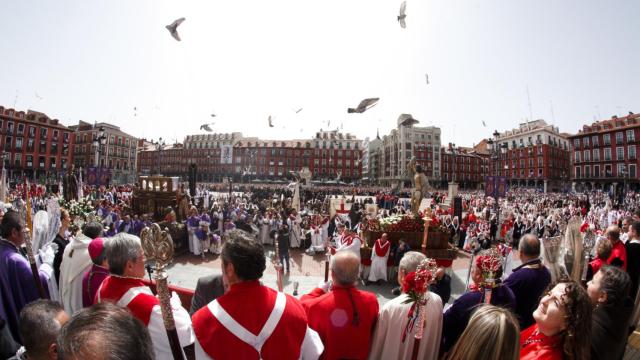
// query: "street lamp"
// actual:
[[99, 139]]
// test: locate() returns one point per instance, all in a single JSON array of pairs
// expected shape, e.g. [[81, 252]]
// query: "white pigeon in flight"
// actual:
[[270, 121], [402, 15], [427, 77], [173, 28], [206, 127]]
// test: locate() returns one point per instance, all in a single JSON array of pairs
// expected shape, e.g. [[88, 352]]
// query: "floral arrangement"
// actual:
[[76, 208], [415, 284], [403, 223]]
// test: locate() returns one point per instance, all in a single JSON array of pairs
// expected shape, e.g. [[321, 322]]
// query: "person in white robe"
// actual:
[[295, 233], [387, 337], [379, 257], [348, 242], [317, 241], [75, 263], [263, 223]]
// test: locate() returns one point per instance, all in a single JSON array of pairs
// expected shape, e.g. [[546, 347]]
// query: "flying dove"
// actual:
[[427, 77], [402, 16], [270, 121], [364, 105], [173, 28], [484, 124], [297, 110], [206, 127]]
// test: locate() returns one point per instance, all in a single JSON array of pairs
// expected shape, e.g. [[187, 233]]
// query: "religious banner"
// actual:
[[226, 154], [489, 188], [339, 207], [92, 176], [495, 186]]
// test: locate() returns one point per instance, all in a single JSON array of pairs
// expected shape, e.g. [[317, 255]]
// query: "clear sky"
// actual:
[[245, 60]]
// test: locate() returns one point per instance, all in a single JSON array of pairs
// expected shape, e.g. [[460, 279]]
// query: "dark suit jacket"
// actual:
[[208, 289]]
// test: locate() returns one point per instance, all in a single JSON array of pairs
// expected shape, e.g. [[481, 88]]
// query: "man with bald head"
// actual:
[[343, 316], [528, 280]]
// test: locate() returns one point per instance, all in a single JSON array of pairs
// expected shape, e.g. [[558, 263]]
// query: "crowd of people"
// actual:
[[88, 299]]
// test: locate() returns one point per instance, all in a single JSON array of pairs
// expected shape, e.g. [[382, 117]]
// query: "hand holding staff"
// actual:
[[27, 242], [158, 247]]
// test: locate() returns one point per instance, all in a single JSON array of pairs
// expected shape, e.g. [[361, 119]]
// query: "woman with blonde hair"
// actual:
[[492, 334]]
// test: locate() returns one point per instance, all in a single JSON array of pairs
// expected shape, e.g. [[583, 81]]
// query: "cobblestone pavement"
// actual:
[[307, 270]]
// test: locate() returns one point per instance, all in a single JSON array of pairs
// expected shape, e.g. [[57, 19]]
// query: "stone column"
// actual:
[[545, 186]]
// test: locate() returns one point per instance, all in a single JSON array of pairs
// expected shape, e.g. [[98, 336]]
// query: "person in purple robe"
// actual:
[[486, 288], [16, 279], [193, 223], [99, 271], [528, 280]]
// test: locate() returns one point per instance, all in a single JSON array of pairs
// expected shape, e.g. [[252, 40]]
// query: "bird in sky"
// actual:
[[402, 15], [270, 121], [173, 28], [427, 77], [297, 110], [364, 105], [206, 127], [213, 115], [38, 96], [484, 124]]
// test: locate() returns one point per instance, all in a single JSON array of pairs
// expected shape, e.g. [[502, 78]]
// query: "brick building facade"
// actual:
[[329, 155], [118, 153], [604, 155], [470, 166], [535, 154], [34, 145]]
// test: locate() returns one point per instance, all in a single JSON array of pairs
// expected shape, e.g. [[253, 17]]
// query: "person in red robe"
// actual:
[[125, 288], [618, 251], [379, 257], [252, 321], [563, 325], [343, 316]]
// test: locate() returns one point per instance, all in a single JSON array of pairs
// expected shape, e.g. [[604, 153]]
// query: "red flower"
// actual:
[[584, 227], [413, 284]]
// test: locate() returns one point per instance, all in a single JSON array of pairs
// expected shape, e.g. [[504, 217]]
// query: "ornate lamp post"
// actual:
[[159, 147], [98, 140]]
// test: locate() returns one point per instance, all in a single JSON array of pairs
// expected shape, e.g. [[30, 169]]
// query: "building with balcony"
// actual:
[[106, 146], [329, 155], [604, 155], [535, 155], [371, 169], [34, 145], [402, 144], [463, 165]]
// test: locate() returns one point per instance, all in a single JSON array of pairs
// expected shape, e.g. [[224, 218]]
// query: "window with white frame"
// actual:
[[631, 136], [607, 154], [585, 141], [594, 140], [619, 153], [607, 139], [619, 137], [631, 151], [578, 172], [596, 154], [587, 155], [577, 156], [596, 171], [632, 171], [587, 171], [576, 143], [621, 170]]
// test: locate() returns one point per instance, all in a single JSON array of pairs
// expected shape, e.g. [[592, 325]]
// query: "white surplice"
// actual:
[[379, 263], [387, 338]]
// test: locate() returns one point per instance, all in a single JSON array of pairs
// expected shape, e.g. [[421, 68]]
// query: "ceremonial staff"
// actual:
[[277, 265], [158, 247], [588, 243], [27, 242]]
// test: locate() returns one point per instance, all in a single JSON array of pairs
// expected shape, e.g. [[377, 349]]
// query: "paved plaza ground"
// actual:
[[307, 270]]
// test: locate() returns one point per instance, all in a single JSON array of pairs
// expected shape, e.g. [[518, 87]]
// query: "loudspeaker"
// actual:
[[193, 172], [457, 207]]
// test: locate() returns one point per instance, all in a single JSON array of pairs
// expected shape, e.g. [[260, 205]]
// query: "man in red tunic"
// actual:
[[344, 317], [618, 252], [252, 321], [379, 258], [125, 288]]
